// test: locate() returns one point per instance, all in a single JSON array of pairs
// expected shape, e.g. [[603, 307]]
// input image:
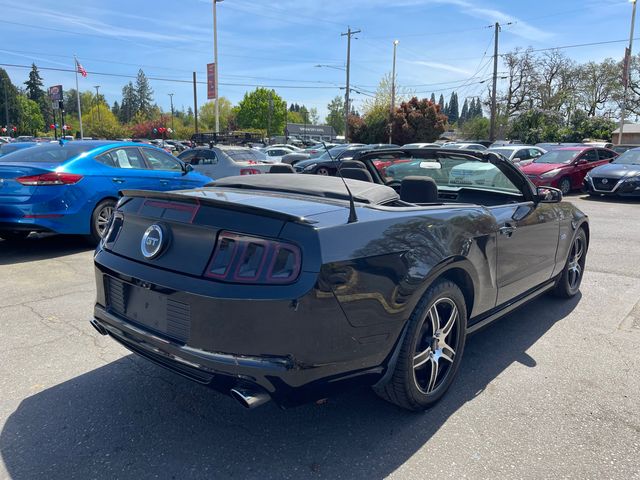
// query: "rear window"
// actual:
[[52, 153]]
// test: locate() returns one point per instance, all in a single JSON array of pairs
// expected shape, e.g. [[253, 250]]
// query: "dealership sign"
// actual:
[[212, 87]]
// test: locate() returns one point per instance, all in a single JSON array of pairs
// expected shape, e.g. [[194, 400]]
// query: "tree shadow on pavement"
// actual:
[[41, 247], [131, 419]]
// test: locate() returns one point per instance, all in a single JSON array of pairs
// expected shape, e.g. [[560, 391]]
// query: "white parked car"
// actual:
[[226, 161], [476, 173], [275, 153], [519, 153]]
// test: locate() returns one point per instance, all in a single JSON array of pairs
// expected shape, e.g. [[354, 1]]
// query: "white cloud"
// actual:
[[439, 66]]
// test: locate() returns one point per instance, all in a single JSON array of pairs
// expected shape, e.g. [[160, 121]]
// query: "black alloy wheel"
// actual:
[[431, 350]]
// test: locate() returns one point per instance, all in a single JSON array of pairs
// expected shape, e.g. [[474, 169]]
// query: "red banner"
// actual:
[[212, 87]]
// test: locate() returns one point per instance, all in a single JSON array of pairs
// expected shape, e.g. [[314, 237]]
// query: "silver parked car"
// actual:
[[518, 153], [226, 161]]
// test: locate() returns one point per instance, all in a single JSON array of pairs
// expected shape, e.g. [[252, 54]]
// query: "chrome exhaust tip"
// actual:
[[249, 398], [101, 330]]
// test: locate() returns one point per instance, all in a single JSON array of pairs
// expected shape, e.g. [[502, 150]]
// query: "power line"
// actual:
[[607, 42], [160, 79]]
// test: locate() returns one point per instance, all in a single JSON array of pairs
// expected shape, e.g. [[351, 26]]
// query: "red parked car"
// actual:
[[565, 168]]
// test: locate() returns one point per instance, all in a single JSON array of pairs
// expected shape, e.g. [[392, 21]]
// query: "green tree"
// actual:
[[441, 103], [476, 128], [34, 84], [262, 109], [128, 105], [314, 118], [207, 115], [417, 121], [13, 108], [335, 117], [143, 95], [535, 125], [100, 122], [30, 120], [374, 127], [453, 111], [464, 115], [294, 117]]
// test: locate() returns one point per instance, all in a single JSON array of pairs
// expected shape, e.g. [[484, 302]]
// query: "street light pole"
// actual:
[[346, 95], [97, 87], [171, 98], [626, 72], [393, 92], [215, 61]]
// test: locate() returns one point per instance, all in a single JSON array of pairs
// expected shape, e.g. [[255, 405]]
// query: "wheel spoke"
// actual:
[[420, 359], [433, 375], [446, 351], [453, 316], [434, 316]]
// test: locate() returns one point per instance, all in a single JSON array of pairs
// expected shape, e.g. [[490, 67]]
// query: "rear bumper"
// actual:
[[294, 350]]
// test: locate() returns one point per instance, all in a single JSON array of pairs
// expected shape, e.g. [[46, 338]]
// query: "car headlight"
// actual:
[[550, 173], [632, 178], [308, 168]]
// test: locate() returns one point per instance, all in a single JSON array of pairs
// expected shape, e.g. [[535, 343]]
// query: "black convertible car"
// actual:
[[289, 287]]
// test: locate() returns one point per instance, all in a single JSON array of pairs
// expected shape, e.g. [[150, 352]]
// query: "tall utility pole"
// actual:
[[195, 101], [171, 98], [346, 94], [6, 106], [625, 72], [393, 92], [492, 129], [97, 87], [215, 61]]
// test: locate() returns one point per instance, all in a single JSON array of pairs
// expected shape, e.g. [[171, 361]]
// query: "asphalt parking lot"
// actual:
[[551, 391]]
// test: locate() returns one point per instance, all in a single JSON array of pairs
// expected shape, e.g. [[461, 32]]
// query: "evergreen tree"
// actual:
[[116, 109], [143, 95], [464, 114], [34, 85], [441, 103], [453, 110], [446, 110], [433, 98], [128, 106], [13, 108]]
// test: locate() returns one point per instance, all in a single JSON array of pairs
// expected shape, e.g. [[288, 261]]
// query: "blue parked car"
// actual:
[[8, 148], [72, 188]]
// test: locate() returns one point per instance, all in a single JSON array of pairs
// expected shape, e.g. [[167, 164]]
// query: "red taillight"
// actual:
[[51, 178], [249, 171], [241, 258]]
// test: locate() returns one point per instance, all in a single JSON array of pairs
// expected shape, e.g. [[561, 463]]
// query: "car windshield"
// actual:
[[246, 155], [335, 151], [558, 156], [50, 153], [450, 171], [630, 157]]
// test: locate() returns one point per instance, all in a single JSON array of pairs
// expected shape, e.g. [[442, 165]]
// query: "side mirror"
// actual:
[[516, 160], [186, 168], [548, 195], [582, 161]]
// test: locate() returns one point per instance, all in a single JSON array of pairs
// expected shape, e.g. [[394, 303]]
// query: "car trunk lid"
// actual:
[[11, 190]]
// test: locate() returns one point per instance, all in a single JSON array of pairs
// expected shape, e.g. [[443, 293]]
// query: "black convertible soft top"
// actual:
[[314, 185]]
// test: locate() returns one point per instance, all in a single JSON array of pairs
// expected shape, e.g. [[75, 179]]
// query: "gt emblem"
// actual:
[[152, 241], [604, 181]]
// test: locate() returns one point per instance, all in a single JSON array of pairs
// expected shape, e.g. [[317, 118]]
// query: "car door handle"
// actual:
[[507, 229], [117, 180]]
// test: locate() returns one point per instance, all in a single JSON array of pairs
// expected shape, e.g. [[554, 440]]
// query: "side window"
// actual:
[[523, 154], [123, 158], [161, 161], [208, 157], [590, 156], [605, 154], [188, 157], [534, 153]]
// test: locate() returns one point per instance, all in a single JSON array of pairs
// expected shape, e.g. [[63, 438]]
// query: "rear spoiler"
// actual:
[[202, 199]]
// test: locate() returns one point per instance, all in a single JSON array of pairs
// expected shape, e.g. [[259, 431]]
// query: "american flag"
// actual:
[[81, 69]]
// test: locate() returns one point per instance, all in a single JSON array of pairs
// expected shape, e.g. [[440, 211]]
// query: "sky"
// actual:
[[296, 46]]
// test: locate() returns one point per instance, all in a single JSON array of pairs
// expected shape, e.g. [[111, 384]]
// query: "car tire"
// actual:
[[564, 185], [431, 350], [324, 171], [14, 235], [568, 283], [100, 219]]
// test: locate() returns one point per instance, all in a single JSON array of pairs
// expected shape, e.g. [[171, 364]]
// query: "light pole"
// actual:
[[626, 71], [215, 61], [393, 91], [97, 87], [171, 98]]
